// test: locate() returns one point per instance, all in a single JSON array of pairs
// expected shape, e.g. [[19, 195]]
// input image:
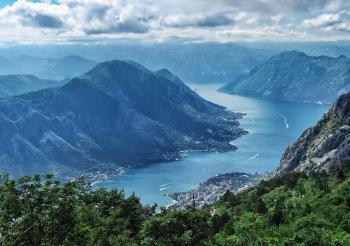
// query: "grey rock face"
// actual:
[[323, 146], [118, 113], [295, 76]]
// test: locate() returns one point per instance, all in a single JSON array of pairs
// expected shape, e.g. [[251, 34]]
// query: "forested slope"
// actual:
[[292, 210]]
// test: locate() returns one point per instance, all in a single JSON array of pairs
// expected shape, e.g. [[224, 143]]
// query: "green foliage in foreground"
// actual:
[[293, 210]]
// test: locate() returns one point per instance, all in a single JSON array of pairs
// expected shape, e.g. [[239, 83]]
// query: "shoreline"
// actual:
[[98, 174], [213, 188]]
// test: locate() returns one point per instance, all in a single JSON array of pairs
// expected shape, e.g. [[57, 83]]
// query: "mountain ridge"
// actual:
[[16, 84], [50, 68], [192, 62], [295, 76], [117, 113]]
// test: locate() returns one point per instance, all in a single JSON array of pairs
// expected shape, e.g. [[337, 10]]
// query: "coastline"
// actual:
[[213, 188], [102, 172]]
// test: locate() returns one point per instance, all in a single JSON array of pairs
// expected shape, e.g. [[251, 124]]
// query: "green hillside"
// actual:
[[293, 210]]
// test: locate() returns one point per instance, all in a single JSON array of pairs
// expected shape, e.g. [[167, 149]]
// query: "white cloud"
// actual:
[[330, 22], [277, 18], [197, 20], [287, 6], [322, 20], [339, 27], [89, 16]]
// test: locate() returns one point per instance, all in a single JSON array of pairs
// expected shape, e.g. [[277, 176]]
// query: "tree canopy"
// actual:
[[296, 209]]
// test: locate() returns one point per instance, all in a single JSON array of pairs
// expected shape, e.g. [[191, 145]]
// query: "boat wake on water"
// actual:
[[253, 157], [285, 119], [164, 186]]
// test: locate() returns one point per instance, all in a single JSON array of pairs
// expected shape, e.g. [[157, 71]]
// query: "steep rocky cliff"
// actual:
[[323, 146]]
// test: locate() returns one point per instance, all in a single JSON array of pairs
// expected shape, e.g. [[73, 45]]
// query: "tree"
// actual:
[[219, 221], [230, 198], [277, 216], [261, 206]]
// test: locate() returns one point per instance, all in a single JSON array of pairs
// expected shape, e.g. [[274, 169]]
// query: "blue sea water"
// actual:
[[272, 126]]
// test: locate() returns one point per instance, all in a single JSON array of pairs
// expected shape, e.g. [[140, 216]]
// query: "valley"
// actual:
[[174, 123], [152, 134], [118, 114], [258, 151]]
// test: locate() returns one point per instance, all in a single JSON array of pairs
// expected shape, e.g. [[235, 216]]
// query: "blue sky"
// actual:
[[106, 21], [5, 2], [9, 2]]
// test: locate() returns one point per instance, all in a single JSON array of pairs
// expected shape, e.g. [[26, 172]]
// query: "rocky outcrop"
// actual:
[[295, 76], [323, 146]]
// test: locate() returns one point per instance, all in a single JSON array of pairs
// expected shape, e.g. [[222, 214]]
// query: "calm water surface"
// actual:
[[272, 126]]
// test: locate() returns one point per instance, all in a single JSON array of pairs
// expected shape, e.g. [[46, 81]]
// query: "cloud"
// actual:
[[162, 20], [274, 6], [124, 26], [106, 17], [330, 22], [322, 20], [40, 15], [199, 20], [41, 20], [343, 27], [88, 16], [215, 20]]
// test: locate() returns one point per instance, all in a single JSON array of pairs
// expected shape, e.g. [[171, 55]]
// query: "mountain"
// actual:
[[192, 62], [323, 146], [332, 49], [295, 76], [6, 67], [49, 68], [11, 85], [198, 63], [119, 114]]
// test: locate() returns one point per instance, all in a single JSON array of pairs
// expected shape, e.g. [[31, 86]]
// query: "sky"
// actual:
[[152, 21]]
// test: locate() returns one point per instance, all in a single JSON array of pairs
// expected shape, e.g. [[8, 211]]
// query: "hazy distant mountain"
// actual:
[[193, 63], [323, 146], [119, 112], [11, 85], [332, 49], [48, 68], [199, 63], [6, 67], [295, 76]]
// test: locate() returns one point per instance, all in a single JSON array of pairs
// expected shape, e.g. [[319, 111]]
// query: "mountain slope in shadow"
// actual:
[[118, 113]]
